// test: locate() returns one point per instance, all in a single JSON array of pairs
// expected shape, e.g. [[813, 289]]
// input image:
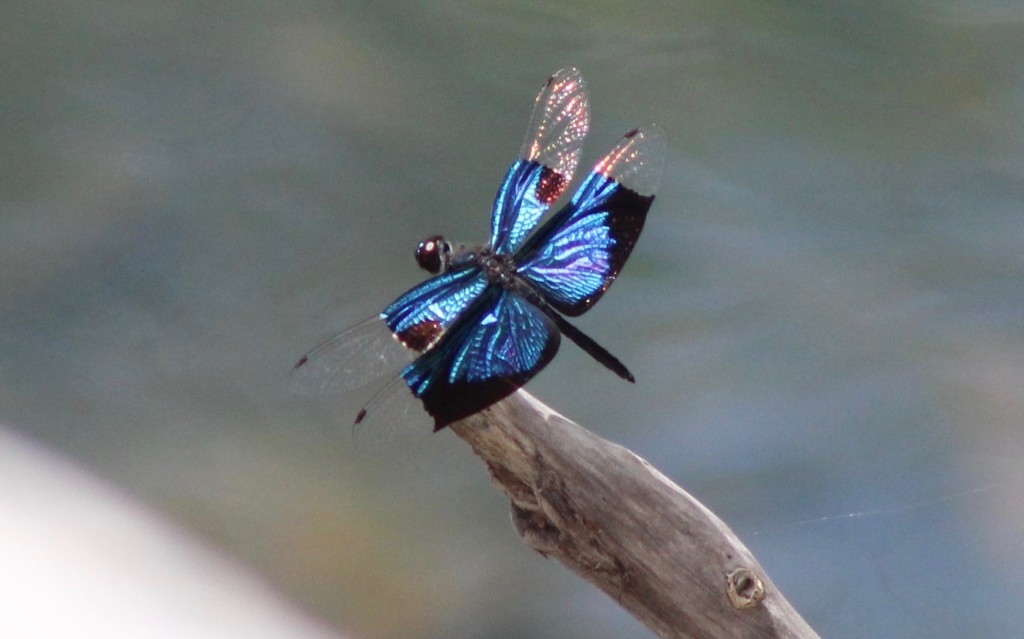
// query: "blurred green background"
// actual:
[[824, 315]]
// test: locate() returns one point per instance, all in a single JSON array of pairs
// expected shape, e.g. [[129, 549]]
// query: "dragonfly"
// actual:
[[492, 316]]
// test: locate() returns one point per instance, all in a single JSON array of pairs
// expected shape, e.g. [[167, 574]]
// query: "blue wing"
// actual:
[[495, 347], [368, 350], [576, 255], [547, 160], [422, 314]]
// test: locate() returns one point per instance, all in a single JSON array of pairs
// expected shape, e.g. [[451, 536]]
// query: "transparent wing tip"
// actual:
[[355, 358], [564, 75], [637, 161], [559, 122], [392, 415]]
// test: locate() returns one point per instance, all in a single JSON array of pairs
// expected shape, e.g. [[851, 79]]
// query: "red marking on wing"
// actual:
[[550, 186], [419, 336]]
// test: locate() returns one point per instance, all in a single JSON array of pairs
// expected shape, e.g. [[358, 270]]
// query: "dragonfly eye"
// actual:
[[433, 254]]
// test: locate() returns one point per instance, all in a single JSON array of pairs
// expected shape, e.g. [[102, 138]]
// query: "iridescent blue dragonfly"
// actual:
[[491, 318]]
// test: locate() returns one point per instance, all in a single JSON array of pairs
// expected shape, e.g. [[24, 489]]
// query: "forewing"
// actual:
[[422, 314], [547, 160], [351, 359], [499, 344], [384, 345], [577, 254]]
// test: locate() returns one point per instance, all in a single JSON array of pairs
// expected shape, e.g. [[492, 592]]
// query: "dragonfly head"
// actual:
[[434, 254]]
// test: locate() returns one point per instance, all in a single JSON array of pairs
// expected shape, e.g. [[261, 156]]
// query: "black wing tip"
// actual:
[[449, 403]]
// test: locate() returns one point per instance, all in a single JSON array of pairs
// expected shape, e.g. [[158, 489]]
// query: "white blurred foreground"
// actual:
[[81, 560]]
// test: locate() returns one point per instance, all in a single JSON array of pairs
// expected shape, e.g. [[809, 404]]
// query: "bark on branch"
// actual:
[[616, 521]]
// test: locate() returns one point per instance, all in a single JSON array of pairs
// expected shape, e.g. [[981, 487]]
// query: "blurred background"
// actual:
[[824, 314]]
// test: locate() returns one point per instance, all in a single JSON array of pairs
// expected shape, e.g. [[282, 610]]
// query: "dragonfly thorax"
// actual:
[[436, 255], [499, 268]]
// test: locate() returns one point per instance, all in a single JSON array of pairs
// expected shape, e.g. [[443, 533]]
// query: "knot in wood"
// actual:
[[536, 530], [745, 589]]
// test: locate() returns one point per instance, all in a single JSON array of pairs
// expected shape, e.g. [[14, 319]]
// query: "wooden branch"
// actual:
[[616, 521]]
